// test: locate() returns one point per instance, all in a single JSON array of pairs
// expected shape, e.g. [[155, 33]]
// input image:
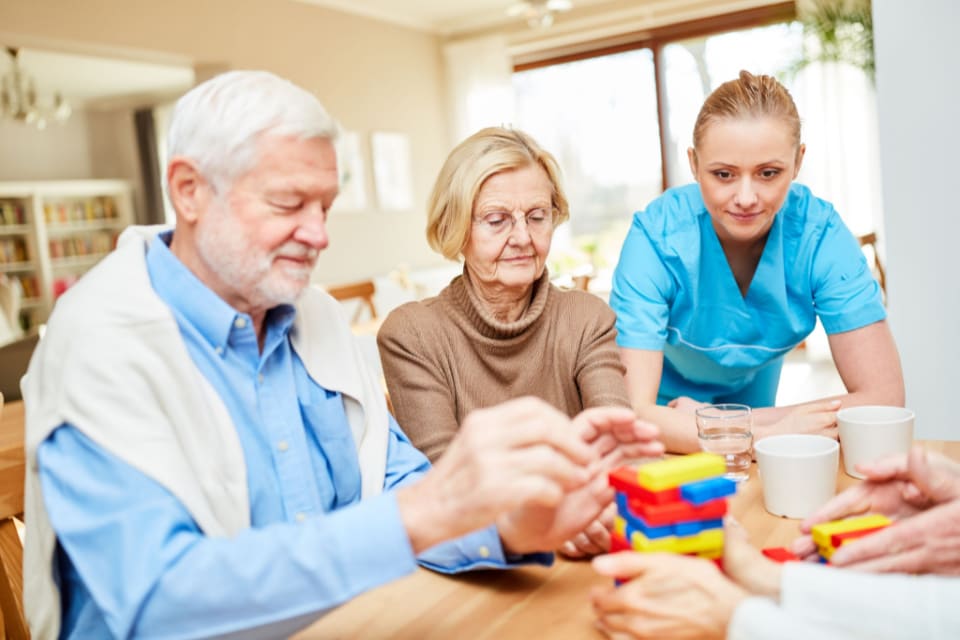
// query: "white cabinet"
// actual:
[[53, 232]]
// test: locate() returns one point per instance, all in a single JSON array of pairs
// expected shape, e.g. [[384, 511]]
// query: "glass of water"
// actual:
[[727, 430]]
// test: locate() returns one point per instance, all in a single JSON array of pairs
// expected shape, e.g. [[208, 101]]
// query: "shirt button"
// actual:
[[219, 350], [260, 378], [240, 323], [484, 552], [301, 516], [283, 445]]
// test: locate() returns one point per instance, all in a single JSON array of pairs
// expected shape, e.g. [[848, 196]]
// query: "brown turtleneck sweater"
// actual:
[[445, 356]]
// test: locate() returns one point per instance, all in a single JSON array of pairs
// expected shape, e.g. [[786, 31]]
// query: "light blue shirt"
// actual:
[[132, 561], [673, 290]]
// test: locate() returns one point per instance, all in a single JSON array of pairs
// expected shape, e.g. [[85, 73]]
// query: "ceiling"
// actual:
[[439, 16], [91, 80], [104, 82]]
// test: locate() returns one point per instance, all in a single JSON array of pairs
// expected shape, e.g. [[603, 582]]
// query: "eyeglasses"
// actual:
[[500, 223]]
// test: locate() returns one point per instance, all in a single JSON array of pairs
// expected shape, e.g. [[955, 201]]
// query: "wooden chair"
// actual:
[[13, 623], [362, 292], [870, 240]]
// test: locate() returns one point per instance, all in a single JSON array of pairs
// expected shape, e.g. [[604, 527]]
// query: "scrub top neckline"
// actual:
[[765, 277]]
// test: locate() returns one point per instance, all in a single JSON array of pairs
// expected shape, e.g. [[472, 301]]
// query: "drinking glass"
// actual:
[[727, 430]]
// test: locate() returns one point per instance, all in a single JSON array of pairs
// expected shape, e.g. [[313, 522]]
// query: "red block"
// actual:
[[838, 539], [780, 554], [625, 480], [618, 543], [657, 515]]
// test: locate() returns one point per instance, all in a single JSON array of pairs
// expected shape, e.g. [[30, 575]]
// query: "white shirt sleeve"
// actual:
[[763, 619], [837, 604]]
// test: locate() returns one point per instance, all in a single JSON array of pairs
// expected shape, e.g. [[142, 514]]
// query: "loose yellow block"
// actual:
[[823, 531], [673, 472], [620, 526], [704, 541]]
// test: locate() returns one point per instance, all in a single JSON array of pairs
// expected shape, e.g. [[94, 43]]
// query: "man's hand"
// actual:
[[668, 596], [921, 491], [615, 434], [522, 453]]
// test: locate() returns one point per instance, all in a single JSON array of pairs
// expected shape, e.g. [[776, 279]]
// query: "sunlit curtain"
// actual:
[[479, 85], [837, 104]]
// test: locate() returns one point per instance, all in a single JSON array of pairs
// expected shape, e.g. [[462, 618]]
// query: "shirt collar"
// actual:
[[212, 317]]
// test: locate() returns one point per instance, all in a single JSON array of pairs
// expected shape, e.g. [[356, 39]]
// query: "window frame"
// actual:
[[656, 39]]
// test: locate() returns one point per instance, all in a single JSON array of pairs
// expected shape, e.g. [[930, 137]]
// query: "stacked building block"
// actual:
[[674, 505], [829, 536]]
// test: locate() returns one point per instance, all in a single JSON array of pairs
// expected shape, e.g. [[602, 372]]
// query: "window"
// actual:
[[576, 111]]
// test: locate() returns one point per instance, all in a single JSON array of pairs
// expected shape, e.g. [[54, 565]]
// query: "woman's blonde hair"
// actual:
[[748, 96], [485, 153]]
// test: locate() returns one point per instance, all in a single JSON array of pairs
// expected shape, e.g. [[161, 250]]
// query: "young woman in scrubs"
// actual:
[[718, 280]]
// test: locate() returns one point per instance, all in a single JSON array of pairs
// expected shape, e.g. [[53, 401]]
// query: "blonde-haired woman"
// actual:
[[718, 280], [500, 330]]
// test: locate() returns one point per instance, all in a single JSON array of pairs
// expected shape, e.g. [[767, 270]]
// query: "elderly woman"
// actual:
[[500, 330]]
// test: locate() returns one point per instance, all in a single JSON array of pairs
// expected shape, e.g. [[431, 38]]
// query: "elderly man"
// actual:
[[208, 454]]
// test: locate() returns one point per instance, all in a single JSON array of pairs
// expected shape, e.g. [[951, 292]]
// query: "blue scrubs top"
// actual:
[[673, 290]]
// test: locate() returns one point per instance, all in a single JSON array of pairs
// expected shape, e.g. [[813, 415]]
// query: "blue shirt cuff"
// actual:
[[481, 549]]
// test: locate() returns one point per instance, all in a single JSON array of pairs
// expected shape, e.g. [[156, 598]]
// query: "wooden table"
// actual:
[[525, 603]]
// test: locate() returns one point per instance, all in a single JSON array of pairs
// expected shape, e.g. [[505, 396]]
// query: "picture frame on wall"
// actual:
[[392, 172], [353, 184]]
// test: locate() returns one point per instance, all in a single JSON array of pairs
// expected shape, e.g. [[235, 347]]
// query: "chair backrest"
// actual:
[[870, 240], [362, 292], [15, 357], [13, 624]]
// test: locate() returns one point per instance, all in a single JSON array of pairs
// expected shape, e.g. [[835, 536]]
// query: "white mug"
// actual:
[[869, 433], [798, 473]]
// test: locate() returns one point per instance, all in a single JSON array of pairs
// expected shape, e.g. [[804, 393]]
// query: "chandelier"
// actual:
[[538, 13], [18, 98]]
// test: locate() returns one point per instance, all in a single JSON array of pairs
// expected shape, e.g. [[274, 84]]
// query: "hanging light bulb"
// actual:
[[18, 98], [539, 14]]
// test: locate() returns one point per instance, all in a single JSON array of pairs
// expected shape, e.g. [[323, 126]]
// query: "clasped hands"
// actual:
[[538, 475]]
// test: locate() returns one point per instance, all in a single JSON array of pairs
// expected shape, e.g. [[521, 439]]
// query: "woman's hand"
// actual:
[[745, 565], [921, 491], [668, 596], [685, 404], [816, 418], [592, 541]]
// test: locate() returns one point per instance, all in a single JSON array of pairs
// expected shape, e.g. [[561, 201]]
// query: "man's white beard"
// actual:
[[228, 254]]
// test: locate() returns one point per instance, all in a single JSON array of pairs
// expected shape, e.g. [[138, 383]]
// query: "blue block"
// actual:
[[695, 527], [636, 523], [703, 491]]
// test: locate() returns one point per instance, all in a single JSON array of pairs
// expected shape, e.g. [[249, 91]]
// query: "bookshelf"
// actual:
[[52, 232]]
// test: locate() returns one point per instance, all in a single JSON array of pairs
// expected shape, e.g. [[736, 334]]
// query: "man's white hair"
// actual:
[[217, 123]]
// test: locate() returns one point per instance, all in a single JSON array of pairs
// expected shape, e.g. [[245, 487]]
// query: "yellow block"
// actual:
[[827, 552], [823, 531], [620, 526], [712, 554], [704, 541], [673, 472]]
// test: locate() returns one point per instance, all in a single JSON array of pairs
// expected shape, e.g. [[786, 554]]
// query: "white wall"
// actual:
[[918, 94], [61, 151]]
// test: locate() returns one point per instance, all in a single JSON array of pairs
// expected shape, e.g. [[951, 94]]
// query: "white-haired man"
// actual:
[[208, 454]]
